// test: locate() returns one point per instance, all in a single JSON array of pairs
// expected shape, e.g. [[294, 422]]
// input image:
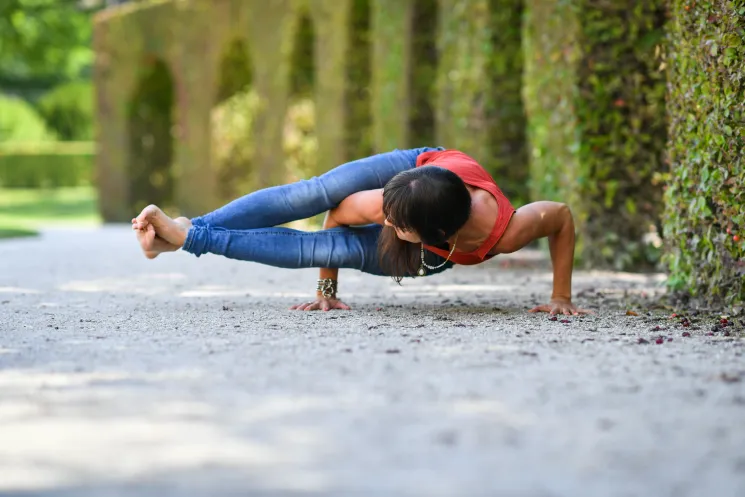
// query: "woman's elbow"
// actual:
[[564, 214]]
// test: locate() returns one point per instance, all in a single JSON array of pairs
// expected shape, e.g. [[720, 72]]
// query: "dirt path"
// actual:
[[184, 376]]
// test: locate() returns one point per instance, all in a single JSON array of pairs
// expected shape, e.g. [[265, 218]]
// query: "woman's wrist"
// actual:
[[327, 288], [560, 298]]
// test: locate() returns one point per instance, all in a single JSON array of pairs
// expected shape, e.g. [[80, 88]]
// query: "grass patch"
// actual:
[[23, 211]]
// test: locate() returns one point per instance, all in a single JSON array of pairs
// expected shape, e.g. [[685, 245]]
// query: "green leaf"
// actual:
[[630, 205]]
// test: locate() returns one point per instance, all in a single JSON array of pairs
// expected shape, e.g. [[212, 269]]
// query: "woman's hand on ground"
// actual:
[[321, 304], [560, 306]]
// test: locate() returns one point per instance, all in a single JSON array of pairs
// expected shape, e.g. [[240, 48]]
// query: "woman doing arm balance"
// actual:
[[400, 214]]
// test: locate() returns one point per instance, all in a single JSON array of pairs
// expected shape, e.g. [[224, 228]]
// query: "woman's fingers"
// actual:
[[567, 310], [321, 304]]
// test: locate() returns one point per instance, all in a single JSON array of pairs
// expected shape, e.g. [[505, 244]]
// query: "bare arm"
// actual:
[[356, 210], [553, 220]]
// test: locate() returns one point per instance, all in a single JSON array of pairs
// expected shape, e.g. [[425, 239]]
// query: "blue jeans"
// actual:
[[245, 228]]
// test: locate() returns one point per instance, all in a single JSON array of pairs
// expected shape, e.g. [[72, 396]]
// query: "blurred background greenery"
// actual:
[[46, 114]]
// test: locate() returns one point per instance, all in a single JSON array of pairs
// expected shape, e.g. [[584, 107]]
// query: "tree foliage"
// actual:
[[44, 39]]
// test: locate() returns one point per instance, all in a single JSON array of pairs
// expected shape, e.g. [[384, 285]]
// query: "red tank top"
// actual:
[[472, 174]]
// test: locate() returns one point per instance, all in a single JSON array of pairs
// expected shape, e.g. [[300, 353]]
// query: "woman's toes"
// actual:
[[147, 214]]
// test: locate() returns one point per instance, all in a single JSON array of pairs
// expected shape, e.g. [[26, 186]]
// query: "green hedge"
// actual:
[[705, 199], [68, 110], [594, 95], [19, 121], [359, 139], [151, 147], [46, 164], [462, 90], [479, 77], [506, 121], [423, 73], [391, 30]]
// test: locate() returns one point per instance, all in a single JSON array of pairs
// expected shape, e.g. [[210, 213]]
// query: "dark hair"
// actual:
[[432, 202]]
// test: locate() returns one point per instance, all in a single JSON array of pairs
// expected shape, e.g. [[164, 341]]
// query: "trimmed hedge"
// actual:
[[377, 70], [46, 164], [68, 110], [359, 139], [423, 73], [150, 123], [391, 41], [594, 95], [479, 77], [505, 116], [19, 121], [234, 144], [704, 221], [462, 89]]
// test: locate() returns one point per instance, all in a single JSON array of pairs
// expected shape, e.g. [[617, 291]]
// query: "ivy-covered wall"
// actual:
[[505, 115], [705, 199], [462, 88], [478, 105], [376, 71], [360, 139], [594, 94], [119, 68], [149, 122], [331, 21], [422, 72], [392, 28], [189, 40]]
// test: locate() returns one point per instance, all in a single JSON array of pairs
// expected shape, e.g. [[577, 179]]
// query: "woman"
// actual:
[[402, 213]]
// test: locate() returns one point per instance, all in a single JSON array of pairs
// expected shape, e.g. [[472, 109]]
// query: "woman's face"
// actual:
[[407, 236]]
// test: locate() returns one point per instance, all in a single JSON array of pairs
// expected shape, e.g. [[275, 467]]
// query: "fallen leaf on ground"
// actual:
[[730, 378]]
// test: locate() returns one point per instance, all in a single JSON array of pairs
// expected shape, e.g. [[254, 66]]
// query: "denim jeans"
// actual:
[[245, 229]]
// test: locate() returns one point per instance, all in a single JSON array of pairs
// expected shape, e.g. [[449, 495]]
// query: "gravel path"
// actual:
[[185, 376]]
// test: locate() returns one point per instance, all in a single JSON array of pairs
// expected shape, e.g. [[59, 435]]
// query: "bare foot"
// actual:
[[173, 232], [153, 245]]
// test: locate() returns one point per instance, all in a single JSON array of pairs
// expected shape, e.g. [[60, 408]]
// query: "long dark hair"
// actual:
[[432, 202]]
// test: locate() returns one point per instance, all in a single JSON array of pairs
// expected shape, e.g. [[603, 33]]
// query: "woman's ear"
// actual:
[[387, 223]]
